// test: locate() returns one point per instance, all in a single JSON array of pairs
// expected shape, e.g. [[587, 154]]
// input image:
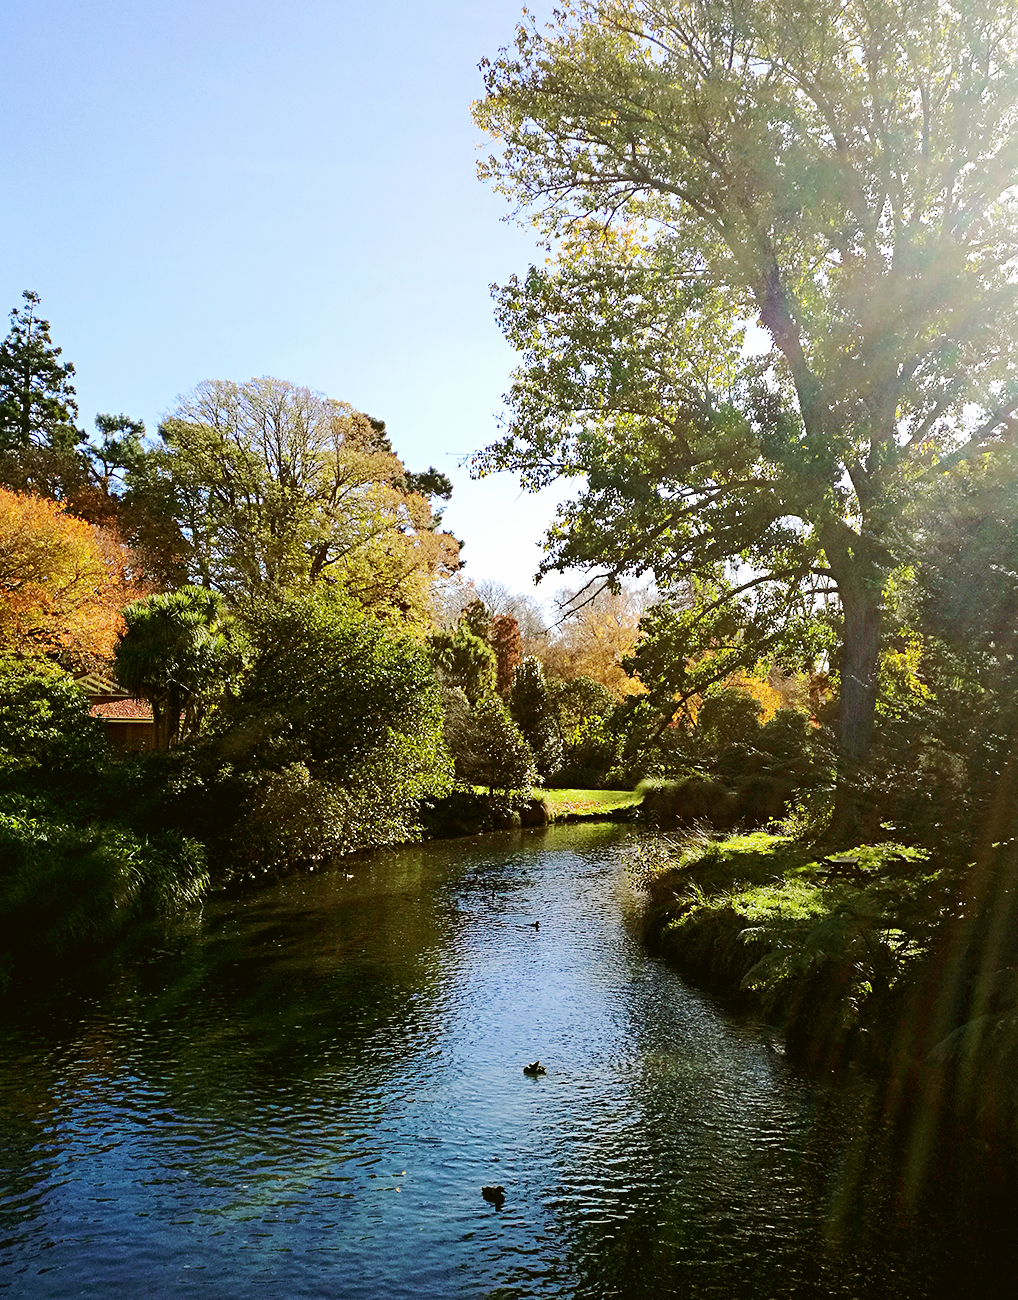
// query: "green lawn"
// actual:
[[585, 801]]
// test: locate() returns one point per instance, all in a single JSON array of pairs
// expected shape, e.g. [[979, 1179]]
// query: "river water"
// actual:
[[303, 1093]]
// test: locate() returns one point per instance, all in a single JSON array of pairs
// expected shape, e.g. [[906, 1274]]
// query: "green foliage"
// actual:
[[45, 731], [728, 716], [289, 817], [476, 618], [75, 874], [689, 801], [335, 733], [576, 699], [279, 487], [506, 760], [946, 714], [182, 652], [706, 164], [591, 743], [37, 405], [827, 955], [592, 754], [67, 892], [531, 707], [464, 661], [473, 812]]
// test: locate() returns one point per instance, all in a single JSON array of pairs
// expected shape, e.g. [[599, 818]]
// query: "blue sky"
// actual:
[[224, 189]]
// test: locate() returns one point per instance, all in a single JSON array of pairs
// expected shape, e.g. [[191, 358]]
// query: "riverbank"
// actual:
[[476, 811], [305, 1091], [875, 960], [819, 945]]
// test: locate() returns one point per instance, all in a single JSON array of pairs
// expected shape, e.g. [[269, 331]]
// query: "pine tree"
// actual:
[[37, 403], [531, 709]]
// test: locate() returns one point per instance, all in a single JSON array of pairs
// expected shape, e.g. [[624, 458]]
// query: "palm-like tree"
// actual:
[[179, 650]]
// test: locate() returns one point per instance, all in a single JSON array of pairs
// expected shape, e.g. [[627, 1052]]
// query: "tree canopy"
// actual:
[[840, 173], [37, 403], [63, 582], [180, 650], [278, 487]]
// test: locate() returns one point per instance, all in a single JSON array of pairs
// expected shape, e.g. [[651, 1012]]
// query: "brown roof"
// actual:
[[123, 710]]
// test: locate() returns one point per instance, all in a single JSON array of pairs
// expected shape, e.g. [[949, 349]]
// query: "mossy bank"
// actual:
[[881, 959]]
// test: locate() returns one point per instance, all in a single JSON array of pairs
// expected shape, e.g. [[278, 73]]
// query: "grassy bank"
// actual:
[[828, 948], [887, 958], [563, 804]]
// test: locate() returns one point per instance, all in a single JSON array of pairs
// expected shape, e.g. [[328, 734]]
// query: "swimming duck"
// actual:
[[496, 1195], [534, 1068]]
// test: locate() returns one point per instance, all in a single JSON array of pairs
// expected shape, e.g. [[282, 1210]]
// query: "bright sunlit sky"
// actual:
[[211, 189]]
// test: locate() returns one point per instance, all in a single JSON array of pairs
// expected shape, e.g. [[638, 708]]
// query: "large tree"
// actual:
[[37, 404], [841, 173], [280, 488], [181, 651], [63, 582]]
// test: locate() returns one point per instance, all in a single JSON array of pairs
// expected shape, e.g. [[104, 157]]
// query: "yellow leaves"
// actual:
[[761, 689], [595, 241], [63, 582], [900, 667], [594, 641]]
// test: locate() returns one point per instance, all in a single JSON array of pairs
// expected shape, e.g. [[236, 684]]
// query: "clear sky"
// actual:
[[215, 189]]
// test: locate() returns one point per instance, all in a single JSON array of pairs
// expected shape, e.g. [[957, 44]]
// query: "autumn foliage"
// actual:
[[63, 581]]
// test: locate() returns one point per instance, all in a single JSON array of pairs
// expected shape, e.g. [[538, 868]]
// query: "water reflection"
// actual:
[[307, 1092]]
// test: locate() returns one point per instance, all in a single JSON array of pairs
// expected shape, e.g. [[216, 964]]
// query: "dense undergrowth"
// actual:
[[822, 949], [77, 870], [890, 958]]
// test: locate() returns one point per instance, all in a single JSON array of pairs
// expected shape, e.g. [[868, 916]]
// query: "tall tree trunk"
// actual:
[[860, 602]]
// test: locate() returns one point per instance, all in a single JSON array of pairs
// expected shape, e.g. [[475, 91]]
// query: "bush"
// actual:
[[688, 801], [46, 733], [468, 812], [592, 754], [506, 760], [727, 716], [332, 740], [66, 891], [290, 818]]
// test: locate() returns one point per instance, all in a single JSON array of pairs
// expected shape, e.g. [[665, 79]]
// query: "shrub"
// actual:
[[688, 801], [336, 731], [594, 750], [46, 733], [728, 716], [67, 891], [506, 760], [531, 709]]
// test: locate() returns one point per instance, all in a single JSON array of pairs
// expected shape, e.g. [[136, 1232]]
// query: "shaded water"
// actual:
[[305, 1093]]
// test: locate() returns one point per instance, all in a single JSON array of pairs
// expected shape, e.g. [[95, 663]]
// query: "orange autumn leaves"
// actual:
[[63, 582]]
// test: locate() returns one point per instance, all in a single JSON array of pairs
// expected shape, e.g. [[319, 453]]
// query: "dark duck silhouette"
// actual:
[[534, 1068], [495, 1195]]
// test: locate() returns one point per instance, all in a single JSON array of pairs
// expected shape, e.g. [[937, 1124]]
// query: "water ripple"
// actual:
[[306, 1098]]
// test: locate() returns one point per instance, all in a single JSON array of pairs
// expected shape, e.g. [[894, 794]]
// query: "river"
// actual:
[[303, 1092]]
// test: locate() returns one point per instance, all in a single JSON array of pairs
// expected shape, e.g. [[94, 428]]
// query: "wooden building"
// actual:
[[129, 723]]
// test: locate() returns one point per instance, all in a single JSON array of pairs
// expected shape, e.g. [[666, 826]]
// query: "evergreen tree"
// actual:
[[477, 620], [531, 708], [37, 403], [463, 661], [506, 760]]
